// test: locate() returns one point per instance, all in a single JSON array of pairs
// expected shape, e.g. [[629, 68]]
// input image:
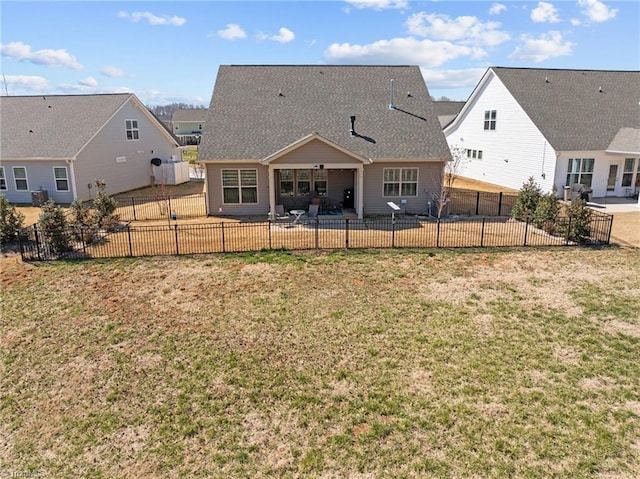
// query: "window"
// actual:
[[638, 175], [131, 127], [474, 154], [62, 180], [320, 182], [20, 178], [286, 182], [580, 170], [490, 119], [303, 183], [400, 182], [627, 173], [3, 179], [239, 186]]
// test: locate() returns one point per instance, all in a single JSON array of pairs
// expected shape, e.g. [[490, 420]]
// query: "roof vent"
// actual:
[[280, 93], [391, 105], [352, 131], [600, 89], [546, 80]]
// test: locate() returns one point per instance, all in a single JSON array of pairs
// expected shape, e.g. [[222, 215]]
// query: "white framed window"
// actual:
[[20, 178], [320, 182], [627, 172], [580, 170], [61, 176], [3, 179], [239, 186], [286, 182], [490, 119], [400, 182], [131, 128]]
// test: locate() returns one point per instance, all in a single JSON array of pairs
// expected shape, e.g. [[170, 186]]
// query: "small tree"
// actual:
[[53, 228], [546, 212], [578, 226], [83, 221], [527, 200], [10, 221], [105, 207], [449, 176]]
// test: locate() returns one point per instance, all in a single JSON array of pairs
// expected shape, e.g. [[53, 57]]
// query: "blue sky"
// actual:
[[169, 51]]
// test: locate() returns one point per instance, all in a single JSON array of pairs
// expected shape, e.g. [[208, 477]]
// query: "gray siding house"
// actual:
[[187, 124], [62, 143], [354, 137]]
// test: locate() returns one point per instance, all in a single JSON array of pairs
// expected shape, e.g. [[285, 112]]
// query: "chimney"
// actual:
[[353, 125]]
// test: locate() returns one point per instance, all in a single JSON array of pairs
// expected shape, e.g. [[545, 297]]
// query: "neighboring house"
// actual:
[[188, 124], [62, 143], [354, 136], [447, 110], [560, 127]]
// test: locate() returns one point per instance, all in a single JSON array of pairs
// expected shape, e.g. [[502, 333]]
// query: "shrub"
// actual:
[[577, 227], [546, 212], [527, 200], [82, 221], [10, 221], [105, 207], [53, 228]]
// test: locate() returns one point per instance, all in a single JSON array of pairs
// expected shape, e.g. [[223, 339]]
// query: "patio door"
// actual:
[[611, 180]]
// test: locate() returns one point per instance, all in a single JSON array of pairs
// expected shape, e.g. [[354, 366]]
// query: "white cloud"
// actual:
[[545, 12], [153, 19], [426, 53], [497, 9], [466, 29], [378, 4], [22, 52], [284, 36], [112, 72], [89, 82], [28, 83], [232, 32], [441, 79], [597, 11], [547, 45], [576, 22]]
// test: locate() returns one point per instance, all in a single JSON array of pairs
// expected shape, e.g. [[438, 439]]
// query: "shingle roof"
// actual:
[[189, 114], [627, 140], [258, 110], [53, 126], [576, 109]]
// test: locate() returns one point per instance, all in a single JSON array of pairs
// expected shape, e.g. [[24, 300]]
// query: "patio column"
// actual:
[[272, 189], [360, 191]]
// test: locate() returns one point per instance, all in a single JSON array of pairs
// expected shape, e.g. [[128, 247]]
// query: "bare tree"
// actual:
[[448, 176], [5, 85]]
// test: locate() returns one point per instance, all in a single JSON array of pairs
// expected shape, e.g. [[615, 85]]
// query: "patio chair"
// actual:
[[313, 212], [281, 214]]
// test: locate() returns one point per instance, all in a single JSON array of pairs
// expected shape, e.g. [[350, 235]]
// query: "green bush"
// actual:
[[10, 221], [83, 221], [546, 212], [527, 200], [105, 207], [576, 227], [53, 228]]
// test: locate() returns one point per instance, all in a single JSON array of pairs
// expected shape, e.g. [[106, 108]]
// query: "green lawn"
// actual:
[[512, 363]]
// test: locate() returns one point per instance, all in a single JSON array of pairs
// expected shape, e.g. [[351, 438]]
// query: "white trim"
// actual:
[[400, 195], [303, 141], [132, 129], [3, 177], [26, 177], [240, 202]]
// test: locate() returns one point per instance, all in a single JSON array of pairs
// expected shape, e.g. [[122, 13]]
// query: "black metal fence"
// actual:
[[402, 232], [481, 203], [143, 208]]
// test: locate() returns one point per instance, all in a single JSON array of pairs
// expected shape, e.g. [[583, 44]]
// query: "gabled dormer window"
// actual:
[[131, 127], [490, 119]]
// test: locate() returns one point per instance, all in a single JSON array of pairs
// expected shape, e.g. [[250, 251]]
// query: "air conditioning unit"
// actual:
[[40, 197]]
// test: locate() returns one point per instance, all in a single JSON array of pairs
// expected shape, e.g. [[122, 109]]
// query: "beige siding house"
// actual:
[[61, 144], [351, 138], [187, 124]]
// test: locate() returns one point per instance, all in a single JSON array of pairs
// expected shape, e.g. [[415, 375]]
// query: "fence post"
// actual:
[[610, 228], [129, 237], [526, 230], [346, 233], [37, 238], [84, 243], [133, 203], [317, 240], [175, 229], [482, 232], [500, 204], [269, 229], [568, 232], [477, 203], [169, 205], [438, 233], [222, 229]]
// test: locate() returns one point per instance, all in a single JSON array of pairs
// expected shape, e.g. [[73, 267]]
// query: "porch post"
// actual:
[[360, 191], [272, 189]]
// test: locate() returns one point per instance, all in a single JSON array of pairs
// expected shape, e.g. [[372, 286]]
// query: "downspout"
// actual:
[[272, 189], [72, 174]]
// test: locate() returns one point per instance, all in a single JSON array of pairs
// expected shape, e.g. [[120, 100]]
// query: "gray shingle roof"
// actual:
[[55, 126], [627, 140], [258, 110], [576, 109], [189, 114]]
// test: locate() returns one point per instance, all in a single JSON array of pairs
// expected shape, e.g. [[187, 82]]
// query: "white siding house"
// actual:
[[61, 144], [558, 126]]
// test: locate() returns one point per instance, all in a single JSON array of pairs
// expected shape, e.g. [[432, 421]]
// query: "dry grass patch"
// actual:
[[346, 364]]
